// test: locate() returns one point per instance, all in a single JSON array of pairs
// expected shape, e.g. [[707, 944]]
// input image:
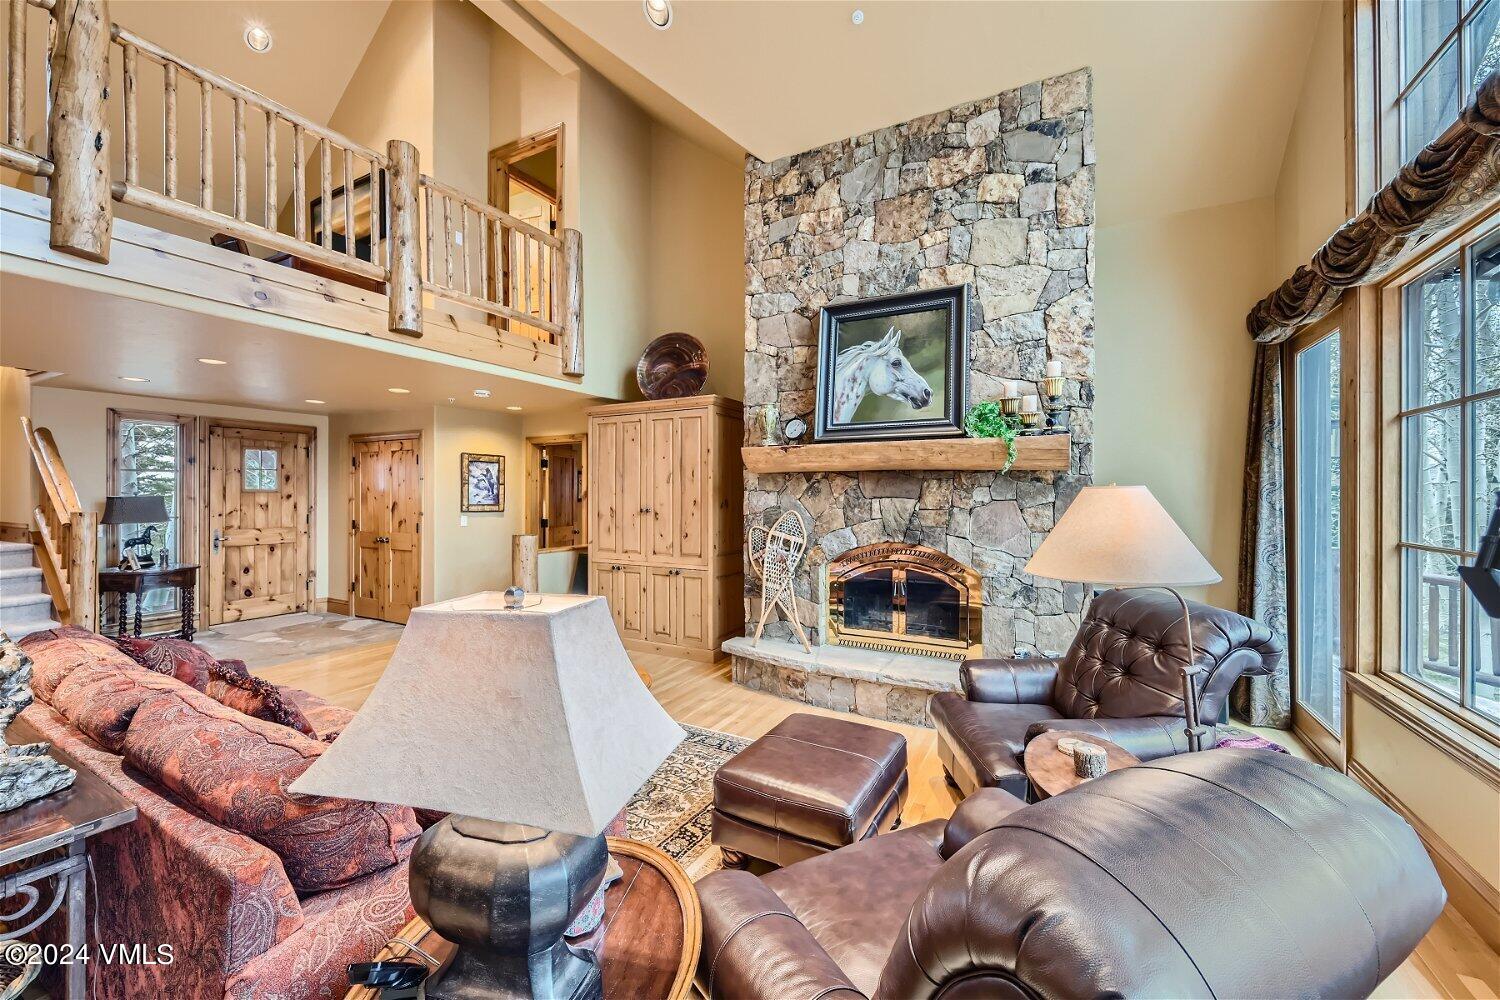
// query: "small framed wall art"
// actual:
[[483, 483], [894, 367]]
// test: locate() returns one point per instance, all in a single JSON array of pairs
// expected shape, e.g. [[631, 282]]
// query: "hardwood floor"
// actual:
[[1452, 961]]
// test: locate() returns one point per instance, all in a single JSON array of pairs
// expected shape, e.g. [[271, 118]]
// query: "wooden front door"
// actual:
[[259, 521], [385, 496]]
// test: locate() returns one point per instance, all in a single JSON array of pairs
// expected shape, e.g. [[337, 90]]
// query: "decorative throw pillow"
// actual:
[[232, 685], [56, 653], [175, 657], [99, 699], [236, 770]]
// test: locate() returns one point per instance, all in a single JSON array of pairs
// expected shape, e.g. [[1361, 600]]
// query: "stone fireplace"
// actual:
[[997, 193], [909, 598]]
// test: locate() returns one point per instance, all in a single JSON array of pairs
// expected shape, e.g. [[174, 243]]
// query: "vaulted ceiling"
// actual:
[[1193, 101]]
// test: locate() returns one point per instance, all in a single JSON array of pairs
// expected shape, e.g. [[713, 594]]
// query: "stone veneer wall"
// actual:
[[998, 193]]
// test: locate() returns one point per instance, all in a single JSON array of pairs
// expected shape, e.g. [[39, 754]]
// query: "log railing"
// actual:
[[472, 254], [64, 535], [16, 150]]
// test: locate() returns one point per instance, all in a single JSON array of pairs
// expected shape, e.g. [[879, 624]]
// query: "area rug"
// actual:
[[672, 810]]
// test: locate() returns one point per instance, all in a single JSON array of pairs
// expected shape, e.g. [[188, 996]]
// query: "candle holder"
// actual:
[[1052, 385], [1010, 404], [1052, 402], [1030, 421]]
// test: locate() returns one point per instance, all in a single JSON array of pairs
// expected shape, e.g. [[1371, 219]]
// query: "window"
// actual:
[[1445, 48], [1449, 422], [150, 457], [1314, 525], [260, 465]]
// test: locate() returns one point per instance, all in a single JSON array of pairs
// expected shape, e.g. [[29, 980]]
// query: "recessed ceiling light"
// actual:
[[258, 38], [398, 390], [513, 408], [211, 361], [482, 393], [315, 402], [133, 378], [658, 12], [858, 17]]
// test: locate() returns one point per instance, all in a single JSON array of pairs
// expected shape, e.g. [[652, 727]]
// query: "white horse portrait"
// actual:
[[877, 367]]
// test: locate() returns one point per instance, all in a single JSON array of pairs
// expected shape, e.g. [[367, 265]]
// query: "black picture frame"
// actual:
[[831, 426]]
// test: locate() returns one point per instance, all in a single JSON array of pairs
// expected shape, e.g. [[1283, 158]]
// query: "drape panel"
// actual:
[[1452, 177]]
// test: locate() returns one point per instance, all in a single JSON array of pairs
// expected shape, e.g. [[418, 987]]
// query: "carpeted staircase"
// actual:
[[25, 606]]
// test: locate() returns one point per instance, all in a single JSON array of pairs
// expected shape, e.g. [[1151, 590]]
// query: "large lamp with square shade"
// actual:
[[142, 510], [1120, 536], [532, 729]]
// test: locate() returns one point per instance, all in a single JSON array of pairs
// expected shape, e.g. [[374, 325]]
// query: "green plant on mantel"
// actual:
[[986, 421]]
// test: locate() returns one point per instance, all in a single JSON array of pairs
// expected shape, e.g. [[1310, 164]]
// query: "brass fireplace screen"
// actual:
[[908, 598]]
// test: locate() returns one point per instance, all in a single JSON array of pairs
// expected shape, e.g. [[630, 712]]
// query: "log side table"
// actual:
[[133, 583], [1050, 771], [652, 930], [65, 819]]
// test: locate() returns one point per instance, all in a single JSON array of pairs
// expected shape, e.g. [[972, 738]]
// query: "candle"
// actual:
[[1030, 404], [1054, 369], [1008, 388]]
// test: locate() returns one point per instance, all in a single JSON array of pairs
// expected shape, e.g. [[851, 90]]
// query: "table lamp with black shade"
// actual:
[[150, 511], [1120, 536], [532, 729]]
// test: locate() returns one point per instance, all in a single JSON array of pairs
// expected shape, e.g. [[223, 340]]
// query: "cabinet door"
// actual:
[[664, 603], [693, 516], [661, 465], [694, 616], [602, 578], [604, 487], [631, 585], [630, 507]]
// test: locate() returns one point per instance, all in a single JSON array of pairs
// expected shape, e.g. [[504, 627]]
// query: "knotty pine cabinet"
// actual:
[[666, 492]]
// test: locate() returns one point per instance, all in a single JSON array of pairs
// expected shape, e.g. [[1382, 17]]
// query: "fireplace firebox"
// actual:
[[908, 598]]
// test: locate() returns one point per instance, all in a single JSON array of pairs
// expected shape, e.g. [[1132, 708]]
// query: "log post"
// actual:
[[572, 302], [83, 570], [78, 124], [523, 563], [404, 273]]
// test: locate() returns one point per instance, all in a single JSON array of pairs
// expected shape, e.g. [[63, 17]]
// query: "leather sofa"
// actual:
[[1121, 679], [1223, 873]]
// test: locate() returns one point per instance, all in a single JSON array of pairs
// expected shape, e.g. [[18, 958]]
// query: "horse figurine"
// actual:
[[877, 367]]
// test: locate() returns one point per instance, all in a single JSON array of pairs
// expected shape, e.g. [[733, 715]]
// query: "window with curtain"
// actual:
[[1450, 470], [1444, 49], [148, 460]]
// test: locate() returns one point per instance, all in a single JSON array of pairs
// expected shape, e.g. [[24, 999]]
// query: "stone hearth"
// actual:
[[873, 683]]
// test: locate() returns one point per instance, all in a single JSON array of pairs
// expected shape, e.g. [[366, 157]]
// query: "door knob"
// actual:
[[218, 540]]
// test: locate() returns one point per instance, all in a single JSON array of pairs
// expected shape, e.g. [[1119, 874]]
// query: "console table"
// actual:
[[652, 930], [132, 583]]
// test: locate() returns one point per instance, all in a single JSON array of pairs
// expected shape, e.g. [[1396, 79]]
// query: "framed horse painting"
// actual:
[[894, 367]]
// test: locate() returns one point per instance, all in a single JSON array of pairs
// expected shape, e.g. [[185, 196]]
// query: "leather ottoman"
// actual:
[[809, 786]]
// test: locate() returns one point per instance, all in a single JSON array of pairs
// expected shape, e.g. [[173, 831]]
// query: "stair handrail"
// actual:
[[65, 535]]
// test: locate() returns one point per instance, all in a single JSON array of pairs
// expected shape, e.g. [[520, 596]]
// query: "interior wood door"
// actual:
[[663, 601], [661, 505], [694, 613], [562, 485], [385, 495], [693, 516], [260, 522], [604, 458], [630, 584]]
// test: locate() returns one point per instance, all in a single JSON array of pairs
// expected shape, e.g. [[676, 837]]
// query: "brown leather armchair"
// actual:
[[1121, 679], [1227, 873]]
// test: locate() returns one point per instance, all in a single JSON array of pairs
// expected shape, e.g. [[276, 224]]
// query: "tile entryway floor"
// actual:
[[265, 642]]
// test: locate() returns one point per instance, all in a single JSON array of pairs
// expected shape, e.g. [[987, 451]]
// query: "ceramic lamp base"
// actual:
[[504, 894]]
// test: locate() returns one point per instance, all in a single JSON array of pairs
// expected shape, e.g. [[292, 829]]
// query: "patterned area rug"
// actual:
[[672, 810]]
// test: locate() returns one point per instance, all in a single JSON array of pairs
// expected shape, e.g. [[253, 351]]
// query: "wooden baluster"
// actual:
[[526, 272], [484, 258], [240, 194], [169, 127], [132, 132], [15, 120], [270, 209], [78, 129], [325, 218], [299, 185], [349, 203], [463, 215], [554, 293], [404, 283], [571, 304], [377, 191], [497, 260], [83, 569], [447, 242], [206, 149], [431, 222]]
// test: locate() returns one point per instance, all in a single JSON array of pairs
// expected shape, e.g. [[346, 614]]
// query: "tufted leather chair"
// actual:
[[1228, 873], [1121, 679]]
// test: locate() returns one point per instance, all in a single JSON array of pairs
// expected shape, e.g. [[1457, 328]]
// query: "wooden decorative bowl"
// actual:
[[672, 366]]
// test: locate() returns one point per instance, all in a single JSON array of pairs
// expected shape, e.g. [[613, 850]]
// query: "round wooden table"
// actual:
[[1050, 771], [652, 930]]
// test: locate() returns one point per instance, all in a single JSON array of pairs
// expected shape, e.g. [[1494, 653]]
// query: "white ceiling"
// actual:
[[1193, 101], [50, 326]]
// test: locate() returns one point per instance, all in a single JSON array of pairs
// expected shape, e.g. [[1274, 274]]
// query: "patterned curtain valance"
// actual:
[[1453, 176]]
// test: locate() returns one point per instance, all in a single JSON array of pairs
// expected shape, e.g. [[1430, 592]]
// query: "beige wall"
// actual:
[[460, 97], [78, 421], [475, 556], [1310, 199], [391, 93], [15, 457], [528, 96], [697, 275], [1173, 367]]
